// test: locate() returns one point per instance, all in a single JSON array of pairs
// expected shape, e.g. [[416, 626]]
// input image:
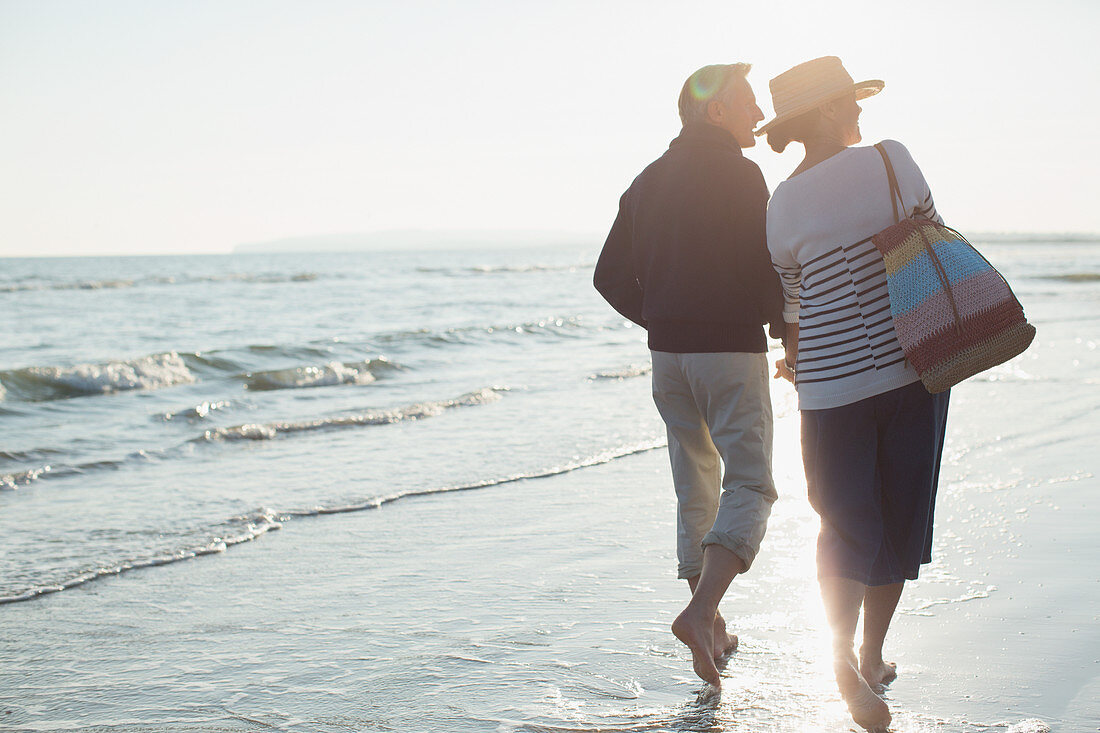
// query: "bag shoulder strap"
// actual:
[[895, 190]]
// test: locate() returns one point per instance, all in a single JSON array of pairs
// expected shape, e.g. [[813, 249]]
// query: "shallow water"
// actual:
[[163, 407], [183, 405]]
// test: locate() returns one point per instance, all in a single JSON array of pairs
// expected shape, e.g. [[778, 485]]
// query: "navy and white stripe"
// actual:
[[844, 322]]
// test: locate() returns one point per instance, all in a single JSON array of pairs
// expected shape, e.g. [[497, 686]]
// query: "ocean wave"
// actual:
[[326, 375], [418, 411], [244, 528], [634, 370], [1034, 238], [252, 431], [37, 284], [286, 350], [1072, 277], [198, 412], [18, 287], [597, 459], [27, 455], [73, 285], [498, 269], [240, 530], [12, 481], [565, 326], [42, 383], [973, 595], [36, 383]]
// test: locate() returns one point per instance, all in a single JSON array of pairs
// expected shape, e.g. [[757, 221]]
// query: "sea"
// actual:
[[157, 411]]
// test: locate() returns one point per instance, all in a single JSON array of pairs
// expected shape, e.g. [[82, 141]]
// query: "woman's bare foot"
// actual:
[[725, 643], [697, 632], [876, 672], [867, 709]]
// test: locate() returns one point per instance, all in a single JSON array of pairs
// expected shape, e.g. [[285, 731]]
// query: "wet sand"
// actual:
[[544, 605]]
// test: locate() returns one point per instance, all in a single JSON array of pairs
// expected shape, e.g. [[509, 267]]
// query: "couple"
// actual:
[[700, 258]]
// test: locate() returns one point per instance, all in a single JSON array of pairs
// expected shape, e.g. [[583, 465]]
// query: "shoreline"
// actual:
[[545, 605]]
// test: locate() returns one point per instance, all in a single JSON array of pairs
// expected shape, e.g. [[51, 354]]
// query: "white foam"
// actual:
[[149, 372], [634, 370], [1031, 725], [327, 375], [556, 326], [973, 595], [253, 527], [250, 431], [267, 431], [199, 411], [13, 481]]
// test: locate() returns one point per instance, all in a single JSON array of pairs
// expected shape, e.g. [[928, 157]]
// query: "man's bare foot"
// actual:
[[697, 632], [876, 672], [725, 643], [867, 709]]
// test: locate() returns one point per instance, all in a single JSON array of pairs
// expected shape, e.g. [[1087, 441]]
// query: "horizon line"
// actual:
[[460, 239]]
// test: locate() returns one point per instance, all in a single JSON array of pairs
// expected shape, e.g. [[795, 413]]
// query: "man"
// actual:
[[687, 260]]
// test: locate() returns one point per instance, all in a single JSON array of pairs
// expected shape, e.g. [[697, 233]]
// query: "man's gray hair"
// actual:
[[707, 84]]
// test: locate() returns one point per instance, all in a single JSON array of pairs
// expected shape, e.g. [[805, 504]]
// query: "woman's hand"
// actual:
[[783, 367], [783, 370]]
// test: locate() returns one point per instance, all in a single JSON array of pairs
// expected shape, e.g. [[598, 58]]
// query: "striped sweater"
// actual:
[[820, 225]]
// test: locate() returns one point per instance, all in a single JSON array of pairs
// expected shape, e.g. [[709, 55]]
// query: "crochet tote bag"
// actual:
[[954, 314]]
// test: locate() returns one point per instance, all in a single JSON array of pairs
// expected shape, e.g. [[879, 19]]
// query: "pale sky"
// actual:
[[179, 126]]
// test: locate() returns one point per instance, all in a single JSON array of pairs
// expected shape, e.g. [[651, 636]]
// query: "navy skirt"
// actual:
[[872, 468]]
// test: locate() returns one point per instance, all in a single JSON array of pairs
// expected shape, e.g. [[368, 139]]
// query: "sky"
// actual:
[[137, 127]]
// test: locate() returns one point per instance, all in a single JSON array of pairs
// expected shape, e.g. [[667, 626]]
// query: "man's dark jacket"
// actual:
[[687, 256]]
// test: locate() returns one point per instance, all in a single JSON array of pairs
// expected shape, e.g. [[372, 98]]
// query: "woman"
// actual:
[[872, 435]]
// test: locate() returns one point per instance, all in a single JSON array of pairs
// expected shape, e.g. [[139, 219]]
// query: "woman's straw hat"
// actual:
[[803, 87]]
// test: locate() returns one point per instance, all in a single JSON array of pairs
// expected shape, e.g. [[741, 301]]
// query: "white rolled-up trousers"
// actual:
[[718, 414]]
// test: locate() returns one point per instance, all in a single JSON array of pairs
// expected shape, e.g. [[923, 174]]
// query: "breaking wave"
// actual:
[[567, 327], [418, 411], [13, 481], [235, 531], [42, 383], [251, 431], [50, 383], [157, 371], [326, 375]]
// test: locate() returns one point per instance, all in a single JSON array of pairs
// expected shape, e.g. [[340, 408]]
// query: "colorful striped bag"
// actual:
[[954, 314]]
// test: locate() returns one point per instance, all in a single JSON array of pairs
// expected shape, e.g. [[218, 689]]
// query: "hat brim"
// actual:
[[863, 89]]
